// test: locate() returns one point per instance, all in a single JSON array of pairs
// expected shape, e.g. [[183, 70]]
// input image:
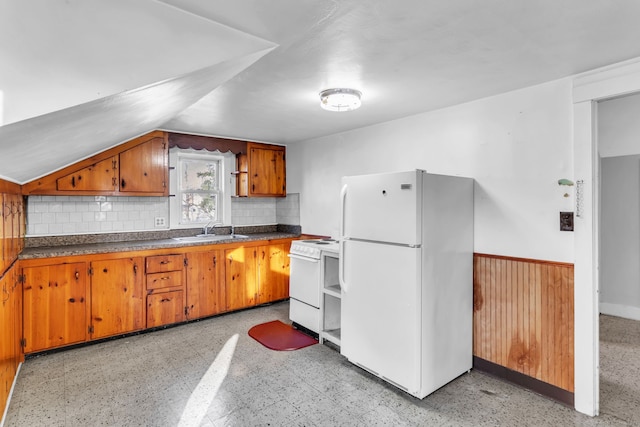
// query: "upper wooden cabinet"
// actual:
[[101, 176], [139, 167], [12, 227], [262, 171]]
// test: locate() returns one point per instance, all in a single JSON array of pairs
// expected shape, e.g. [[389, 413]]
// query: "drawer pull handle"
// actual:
[[164, 262], [165, 278]]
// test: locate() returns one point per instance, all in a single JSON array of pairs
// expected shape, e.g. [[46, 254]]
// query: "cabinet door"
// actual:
[[165, 308], [205, 284], [3, 256], [7, 225], [101, 176], [241, 277], [144, 168], [273, 272], [266, 171], [16, 296], [5, 337], [117, 301], [54, 305], [20, 223]]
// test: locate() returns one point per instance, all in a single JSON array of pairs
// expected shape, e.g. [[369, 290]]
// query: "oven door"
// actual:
[[304, 279]]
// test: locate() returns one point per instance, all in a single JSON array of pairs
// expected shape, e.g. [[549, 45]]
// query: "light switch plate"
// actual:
[[566, 221]]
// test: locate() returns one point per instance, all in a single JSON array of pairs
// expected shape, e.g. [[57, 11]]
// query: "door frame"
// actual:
[[589, 88]]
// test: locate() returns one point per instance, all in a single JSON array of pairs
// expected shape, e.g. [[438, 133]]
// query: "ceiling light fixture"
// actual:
[[340, 99]]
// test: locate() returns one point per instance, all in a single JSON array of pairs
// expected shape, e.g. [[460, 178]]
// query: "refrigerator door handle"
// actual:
[[343, 198], [343, 284]]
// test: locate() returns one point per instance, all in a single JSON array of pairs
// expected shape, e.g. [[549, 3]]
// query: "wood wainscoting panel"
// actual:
[[523, 317]]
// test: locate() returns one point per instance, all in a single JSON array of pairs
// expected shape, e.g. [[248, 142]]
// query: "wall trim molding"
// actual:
[[545, 389], [528, 260], [619, 310]]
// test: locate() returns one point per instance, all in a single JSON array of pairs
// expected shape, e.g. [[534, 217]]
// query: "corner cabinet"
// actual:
[[139, 167], [261, 172]]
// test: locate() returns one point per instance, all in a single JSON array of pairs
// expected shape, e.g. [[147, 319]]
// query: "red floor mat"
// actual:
[[279, 336]]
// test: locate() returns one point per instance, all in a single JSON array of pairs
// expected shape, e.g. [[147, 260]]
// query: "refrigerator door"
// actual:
[[380, 313], [383, 207]]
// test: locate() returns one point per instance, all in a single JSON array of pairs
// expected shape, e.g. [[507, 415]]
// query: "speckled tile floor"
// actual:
[[147, 380]]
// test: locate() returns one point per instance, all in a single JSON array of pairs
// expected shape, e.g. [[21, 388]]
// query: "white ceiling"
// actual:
[[80, 76]]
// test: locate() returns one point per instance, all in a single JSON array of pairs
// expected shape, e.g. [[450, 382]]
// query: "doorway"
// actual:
[[619, 302]]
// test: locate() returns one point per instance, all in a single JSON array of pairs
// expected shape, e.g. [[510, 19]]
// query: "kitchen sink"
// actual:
[[211, 237]]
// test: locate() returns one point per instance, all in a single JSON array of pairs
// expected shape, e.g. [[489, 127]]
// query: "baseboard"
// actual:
[[540, 387], [13, 386], [619, 310]]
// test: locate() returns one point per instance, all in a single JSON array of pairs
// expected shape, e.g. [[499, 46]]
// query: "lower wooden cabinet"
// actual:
[[256, 275], [10, 331], [241, 277], [165, 308], [205, 284], [74, 299], [273, 272], [54, 305], [117, 297], [165, 289]]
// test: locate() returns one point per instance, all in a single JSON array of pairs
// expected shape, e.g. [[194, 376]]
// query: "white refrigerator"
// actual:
[[406, 273]]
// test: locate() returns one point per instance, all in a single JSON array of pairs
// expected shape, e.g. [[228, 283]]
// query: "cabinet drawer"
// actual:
[[166, 279], [165, 308], [160, 263]]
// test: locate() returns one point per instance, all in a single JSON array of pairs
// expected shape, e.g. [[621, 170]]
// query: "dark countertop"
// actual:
[[137, 245], [126, 242]]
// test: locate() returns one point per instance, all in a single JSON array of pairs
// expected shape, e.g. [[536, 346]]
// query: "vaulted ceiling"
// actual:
[[80, 76]]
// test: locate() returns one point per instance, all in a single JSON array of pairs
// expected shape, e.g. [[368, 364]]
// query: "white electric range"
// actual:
[[313, 264]]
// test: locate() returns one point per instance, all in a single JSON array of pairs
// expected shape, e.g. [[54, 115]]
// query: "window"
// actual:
[[199, 188]]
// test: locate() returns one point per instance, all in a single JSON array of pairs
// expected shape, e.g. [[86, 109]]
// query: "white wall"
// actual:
[[619, 148], [516, 145], [619, 127]]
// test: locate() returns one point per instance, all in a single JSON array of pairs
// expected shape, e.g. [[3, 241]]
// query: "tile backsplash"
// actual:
[[61, 215]]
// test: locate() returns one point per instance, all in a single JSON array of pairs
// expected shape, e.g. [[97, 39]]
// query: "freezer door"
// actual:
[[380, 313], [383, 207]]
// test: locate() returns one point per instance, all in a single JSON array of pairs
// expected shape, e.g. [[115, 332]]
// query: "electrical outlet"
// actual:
[[160, 221]]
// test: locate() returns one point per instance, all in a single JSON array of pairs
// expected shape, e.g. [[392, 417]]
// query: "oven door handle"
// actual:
[[303, 258]]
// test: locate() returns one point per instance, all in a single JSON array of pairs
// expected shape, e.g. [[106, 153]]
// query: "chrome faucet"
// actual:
[[233, 227], [210, 226]]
